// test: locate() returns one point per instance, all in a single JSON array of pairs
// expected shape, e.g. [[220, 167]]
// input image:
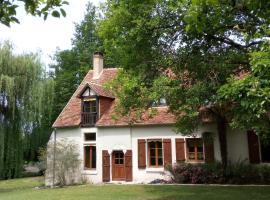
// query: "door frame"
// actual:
[[113, 166]]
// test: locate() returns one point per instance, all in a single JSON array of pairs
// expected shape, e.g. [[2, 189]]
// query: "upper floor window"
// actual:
[[90, 105], [160, 102], [89, 112]]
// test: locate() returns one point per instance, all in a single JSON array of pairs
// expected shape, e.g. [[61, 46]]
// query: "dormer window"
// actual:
[[159, 103], [89, 112]]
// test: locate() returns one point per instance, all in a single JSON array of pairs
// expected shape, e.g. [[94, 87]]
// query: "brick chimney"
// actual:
[[97, 64]]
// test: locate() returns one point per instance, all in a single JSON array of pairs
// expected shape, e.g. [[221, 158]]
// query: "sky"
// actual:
[[33, 34]]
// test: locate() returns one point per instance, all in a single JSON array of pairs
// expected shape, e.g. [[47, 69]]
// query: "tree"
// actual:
[[34, 7], [198, 44], [23, 93], [250, 94]]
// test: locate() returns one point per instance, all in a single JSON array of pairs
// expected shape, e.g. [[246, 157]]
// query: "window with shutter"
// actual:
[[195, 150], [155, 153]]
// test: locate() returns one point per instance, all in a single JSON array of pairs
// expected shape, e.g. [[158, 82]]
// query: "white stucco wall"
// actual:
[[124, 138]]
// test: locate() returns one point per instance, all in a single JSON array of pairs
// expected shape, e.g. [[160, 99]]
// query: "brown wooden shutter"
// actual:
[[253, 147], [209, 151], [105, 166], [180, 149], [128, 165], [167, 152], [141, 154]]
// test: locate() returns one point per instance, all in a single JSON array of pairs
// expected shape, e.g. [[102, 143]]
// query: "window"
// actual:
[[90, 105], [195, 149], [119, 157], [89, 113], [155, 153], [90, 136], [90, 157], [160, 102]]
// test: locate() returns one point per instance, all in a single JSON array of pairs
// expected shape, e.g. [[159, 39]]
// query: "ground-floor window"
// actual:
[[90, 157], [194, 149], [155, 153]]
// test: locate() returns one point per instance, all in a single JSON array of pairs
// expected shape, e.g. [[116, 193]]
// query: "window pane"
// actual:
[[200, 156], [90, 136], [191, 149], [160, 161], [191, 156], [152, 161], [86, 106], [94, 155], [152, 152], [159, 144], [93, 106], [121, 161], [152, 145], [160, 153], [87, 156], [162, 101], [200, 149]]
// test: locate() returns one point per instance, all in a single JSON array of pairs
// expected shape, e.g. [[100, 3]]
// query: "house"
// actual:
[[114, 149]]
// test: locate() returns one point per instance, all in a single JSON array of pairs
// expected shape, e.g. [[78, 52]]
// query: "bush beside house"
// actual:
[[237, 173]]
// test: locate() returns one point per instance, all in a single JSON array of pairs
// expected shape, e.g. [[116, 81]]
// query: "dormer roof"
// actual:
[[71, 114]]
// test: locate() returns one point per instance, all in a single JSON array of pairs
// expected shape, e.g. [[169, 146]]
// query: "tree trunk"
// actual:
[[222, 136]]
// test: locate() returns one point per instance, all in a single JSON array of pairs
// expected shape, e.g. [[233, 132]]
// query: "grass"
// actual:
[[24, 189]]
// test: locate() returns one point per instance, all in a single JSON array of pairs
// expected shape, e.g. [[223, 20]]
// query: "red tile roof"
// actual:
[[70, 116], [158, 116]]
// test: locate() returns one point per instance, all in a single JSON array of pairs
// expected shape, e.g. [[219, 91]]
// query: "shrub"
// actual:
[[67, 162], [237, 173]]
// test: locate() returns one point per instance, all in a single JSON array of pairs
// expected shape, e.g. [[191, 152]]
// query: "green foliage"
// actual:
[[251, 93], [238, 173], [23, 93], [41, 8], [202, 43]]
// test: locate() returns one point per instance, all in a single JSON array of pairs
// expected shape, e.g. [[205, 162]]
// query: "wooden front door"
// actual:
[[118, 166]]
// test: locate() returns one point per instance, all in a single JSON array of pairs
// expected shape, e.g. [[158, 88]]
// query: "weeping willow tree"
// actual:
[[25, 99]]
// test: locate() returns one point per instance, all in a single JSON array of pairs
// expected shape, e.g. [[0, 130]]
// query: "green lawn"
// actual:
[[25, 189]]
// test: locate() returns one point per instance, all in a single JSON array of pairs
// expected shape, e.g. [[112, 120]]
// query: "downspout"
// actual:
[[54, 149], [130, 133]]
